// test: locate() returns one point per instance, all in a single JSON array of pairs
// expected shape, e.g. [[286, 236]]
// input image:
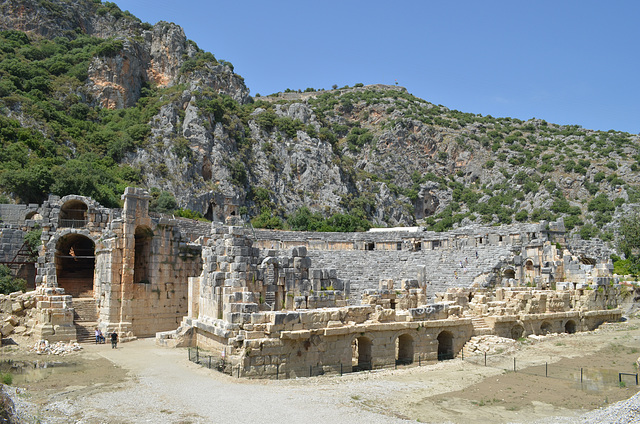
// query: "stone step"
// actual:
[[85, 310], [85, 332]]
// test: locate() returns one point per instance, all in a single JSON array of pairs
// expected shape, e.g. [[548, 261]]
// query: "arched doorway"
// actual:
[[73, 214], [517, 331], [570, 327], [445, 346], [529, 273], [509, 273], [141, 269], [404, 350], [361, 359], [546, 328], [75, 264]]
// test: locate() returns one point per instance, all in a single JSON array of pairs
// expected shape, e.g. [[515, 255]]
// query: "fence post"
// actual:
[[485, 358], [419, 360], [238, 370], [340, 369], [209, 361], [581, 375], [197, 355], [277, 371]]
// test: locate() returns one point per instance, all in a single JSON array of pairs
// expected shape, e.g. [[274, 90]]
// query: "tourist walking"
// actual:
[[114, 340]]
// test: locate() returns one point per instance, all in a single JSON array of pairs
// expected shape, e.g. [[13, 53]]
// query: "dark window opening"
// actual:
[[445, 346], [142, 255], [404, 350]]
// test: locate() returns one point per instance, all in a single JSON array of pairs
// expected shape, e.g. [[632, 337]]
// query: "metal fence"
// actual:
[[283, 371], [583, 375], [586, 376]]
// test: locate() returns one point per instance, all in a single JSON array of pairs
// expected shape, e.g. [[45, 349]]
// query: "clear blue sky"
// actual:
[[568, 62]]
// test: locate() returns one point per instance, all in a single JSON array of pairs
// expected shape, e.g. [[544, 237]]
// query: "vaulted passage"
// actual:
[[75, 264], [361, 354], [404, 350], [142, 261], [546, 328], [570, 327], [517, 331], [445, 346]]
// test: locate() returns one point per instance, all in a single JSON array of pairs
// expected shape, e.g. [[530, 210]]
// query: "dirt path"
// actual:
[[139, 382]]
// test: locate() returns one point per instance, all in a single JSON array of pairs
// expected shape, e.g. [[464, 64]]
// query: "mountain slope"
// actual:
[[92, 99]]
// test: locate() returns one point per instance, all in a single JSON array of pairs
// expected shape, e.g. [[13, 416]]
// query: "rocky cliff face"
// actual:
[[372, 151]]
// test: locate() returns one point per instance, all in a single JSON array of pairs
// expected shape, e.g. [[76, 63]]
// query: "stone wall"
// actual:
[[142, 271]]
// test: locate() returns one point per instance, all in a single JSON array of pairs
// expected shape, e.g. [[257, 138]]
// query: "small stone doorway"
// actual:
[[404, 350], [362, 358], [445, 346]]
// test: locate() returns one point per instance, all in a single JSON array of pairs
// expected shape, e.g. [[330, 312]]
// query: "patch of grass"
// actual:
[[6, 378]]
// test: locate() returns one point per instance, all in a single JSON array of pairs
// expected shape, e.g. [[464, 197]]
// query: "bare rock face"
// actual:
[[52, 19], [115, 82]]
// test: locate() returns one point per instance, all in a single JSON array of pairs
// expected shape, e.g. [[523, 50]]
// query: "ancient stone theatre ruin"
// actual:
[[278, 302]]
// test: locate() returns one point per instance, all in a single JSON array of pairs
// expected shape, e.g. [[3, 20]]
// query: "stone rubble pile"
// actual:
[[490, 344], [43, 347]]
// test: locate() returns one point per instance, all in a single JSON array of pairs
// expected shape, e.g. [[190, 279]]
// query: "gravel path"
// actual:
[[164, 387], [167, 388]]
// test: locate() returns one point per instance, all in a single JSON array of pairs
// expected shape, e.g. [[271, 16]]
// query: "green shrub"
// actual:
[[10, 284], [162, 202]]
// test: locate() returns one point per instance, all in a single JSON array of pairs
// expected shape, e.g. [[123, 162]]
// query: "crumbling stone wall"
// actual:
[[142, 271], [525, 253]]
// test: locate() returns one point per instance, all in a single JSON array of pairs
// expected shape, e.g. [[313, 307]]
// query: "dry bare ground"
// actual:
[[140, 382]]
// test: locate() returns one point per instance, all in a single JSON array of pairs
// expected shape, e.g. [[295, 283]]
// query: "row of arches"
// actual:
[[362, 358], [517, 331]]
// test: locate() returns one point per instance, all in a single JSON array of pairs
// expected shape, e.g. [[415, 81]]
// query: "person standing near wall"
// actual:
[[114, 340]]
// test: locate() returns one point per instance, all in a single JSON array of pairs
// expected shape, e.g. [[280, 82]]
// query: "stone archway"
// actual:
[[73, 214], [404, 349], [362, 358], [546, 327], [517, 331], [75, 264], [529, 272], [509, 273], [570, 327], [445, 346]]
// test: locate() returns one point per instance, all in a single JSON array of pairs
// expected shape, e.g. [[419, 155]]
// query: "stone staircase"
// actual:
[[85, 318], [480, 327]]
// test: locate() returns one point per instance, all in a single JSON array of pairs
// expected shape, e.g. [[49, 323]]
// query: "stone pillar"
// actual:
[[55, 316]]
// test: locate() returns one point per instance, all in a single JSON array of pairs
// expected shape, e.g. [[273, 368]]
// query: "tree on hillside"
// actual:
[[629, 244], [629, 236]]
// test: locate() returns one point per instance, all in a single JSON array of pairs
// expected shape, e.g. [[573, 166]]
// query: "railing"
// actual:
[[284, 371], [72, 223], [585, 376]]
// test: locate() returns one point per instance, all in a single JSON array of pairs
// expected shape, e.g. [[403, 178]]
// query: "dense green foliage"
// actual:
[[74, 148], [629, 244], [33, 241], [8, 283]]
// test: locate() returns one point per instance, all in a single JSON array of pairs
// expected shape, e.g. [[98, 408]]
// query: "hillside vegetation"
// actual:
[[343, 159]]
